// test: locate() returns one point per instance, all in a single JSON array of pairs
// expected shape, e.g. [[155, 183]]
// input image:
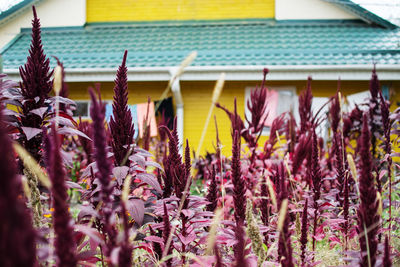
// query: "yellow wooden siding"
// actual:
[[156, 10], [197, 100]]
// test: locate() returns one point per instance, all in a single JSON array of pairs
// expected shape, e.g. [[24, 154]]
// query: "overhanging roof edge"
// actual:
[[233, 73]]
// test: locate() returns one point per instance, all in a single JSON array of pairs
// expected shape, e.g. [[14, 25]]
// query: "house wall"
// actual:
[[197, 99], [309, 9], [52, 13], [156, 10]]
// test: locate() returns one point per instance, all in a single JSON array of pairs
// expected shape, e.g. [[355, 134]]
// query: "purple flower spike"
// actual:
[[121, 125], [368, 217], [17, 242], [64, 242]]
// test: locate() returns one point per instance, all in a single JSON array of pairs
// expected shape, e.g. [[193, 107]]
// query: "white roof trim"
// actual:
[[233, 73]]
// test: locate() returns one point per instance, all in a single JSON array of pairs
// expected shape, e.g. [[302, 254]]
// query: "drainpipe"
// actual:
[[176, 91]]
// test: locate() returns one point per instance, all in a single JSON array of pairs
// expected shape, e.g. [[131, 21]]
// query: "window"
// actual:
[[279, 100], [82, 109]]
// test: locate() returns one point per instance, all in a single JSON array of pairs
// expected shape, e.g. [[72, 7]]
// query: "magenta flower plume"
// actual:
[[305, 102], [125, 253], [87, 145], [315, 178], [303, 237], [35, 87], [176, 172], [290, 132], [368, 217], [264, 203], [374, 110], [387, 262], [218, 259], [65, 246], [236, 122], [334, 111], [17, 242], [239, 187], [240, 254], [339, 163], [166, 232], [285, 251], [121, 125], [257, 105], [97, 110], [212, 195], [301, 150], [277, 127], [346, 205]]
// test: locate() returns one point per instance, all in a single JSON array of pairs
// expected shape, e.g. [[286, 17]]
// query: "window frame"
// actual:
[[88, 109]]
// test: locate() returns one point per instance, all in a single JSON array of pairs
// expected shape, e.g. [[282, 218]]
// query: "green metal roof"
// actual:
[[223, 43]]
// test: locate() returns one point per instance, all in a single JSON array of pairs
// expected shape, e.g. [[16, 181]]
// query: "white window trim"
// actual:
[[295, 107]]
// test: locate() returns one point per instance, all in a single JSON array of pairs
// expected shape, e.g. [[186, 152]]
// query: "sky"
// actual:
[[387, 9]]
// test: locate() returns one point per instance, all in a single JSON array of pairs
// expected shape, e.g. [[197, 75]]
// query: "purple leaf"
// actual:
[[136, 210], [155, 239], [40, 111], [154, 164], [73, 185], [187, 239], [31, 132], [120, 173], [138, 159], [150, 180], [90, 232], [71, 131]]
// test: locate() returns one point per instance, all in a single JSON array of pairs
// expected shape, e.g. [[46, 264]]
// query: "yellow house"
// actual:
[[293, 39]]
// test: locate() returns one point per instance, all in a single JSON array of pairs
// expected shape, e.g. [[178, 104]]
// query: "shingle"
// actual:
[[253, 42]]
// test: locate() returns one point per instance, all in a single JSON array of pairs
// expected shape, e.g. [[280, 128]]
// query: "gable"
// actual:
[[159, 10], [309, 9]]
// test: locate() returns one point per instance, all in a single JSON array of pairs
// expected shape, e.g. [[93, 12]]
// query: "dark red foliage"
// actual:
[[35, 87], [65, 246], [17, 242], [121, 125], [239, 188], [368, 217]]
